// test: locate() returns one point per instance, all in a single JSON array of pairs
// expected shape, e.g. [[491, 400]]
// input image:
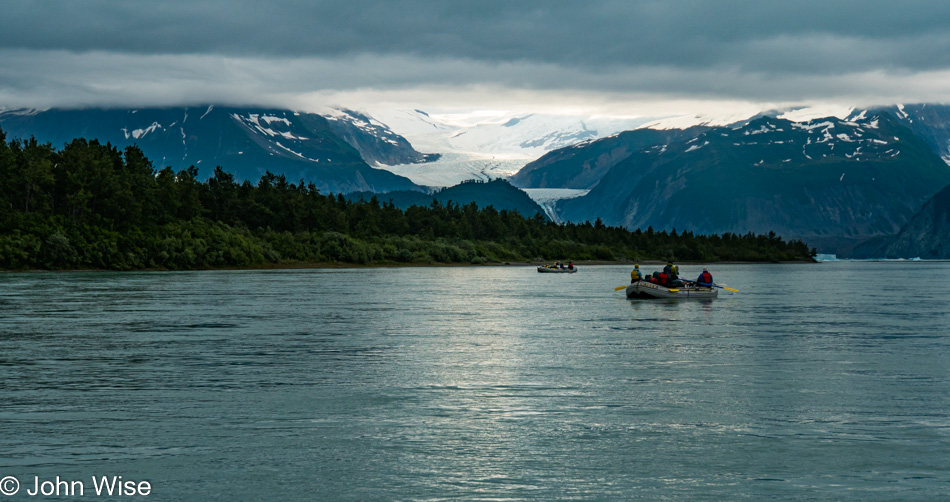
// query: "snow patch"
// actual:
[[139, 133], [760, 130], [811, 126], [295, 153], [687, 121], [696, 147], [254, 120], [270, 119], [817, 112], [900, 112]]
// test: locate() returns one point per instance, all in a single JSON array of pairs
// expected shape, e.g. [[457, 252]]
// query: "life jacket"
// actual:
[[705, 278], [671, 271], [664, 278]]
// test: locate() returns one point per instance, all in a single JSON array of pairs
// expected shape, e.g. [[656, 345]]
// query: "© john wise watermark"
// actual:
[[97, 486]]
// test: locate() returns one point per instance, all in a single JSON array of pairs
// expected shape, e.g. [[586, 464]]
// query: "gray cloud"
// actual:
[[90, 52]]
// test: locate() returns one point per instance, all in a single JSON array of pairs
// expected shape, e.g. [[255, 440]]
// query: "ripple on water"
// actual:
[[481, 383]]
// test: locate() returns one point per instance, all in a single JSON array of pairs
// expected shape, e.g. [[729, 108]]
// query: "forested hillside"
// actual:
[[498, 193], [333, 154], [92, 206]]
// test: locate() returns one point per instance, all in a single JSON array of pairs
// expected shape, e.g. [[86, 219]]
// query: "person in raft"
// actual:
[[635, 274], [672, 275], [672, 271], [705, 279]]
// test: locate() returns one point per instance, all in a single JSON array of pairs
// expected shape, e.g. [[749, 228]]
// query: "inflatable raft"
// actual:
[[645, 289]]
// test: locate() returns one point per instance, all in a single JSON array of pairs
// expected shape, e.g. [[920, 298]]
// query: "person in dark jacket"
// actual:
[[705, 279], [671, 270]]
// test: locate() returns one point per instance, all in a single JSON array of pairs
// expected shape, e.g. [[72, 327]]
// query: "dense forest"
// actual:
[[91, 206]]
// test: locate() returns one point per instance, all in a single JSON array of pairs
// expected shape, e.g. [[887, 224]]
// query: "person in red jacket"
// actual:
[[704, 279]]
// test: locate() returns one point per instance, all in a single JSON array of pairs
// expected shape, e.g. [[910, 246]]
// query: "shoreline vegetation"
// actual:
[[289, 265], [90, 206]]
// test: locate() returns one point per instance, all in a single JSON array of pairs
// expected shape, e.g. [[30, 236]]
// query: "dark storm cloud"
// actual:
[[817, 35], [713, 48]]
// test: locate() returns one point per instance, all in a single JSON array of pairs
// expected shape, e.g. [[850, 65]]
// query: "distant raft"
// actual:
[[644, 289], [556, 270]]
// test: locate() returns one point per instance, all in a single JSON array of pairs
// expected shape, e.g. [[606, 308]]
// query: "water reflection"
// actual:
[[480, 382]]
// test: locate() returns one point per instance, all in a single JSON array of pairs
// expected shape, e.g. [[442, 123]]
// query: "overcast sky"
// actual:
[[624, 57]]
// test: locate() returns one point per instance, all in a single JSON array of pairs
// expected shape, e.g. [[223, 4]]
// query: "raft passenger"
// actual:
[[672, 271], [705, 279], [635, 275]]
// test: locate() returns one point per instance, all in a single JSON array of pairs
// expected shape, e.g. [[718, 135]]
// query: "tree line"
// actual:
[[92, 206]]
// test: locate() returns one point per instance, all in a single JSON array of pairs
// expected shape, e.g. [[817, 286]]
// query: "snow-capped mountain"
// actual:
[[244, 141], [929, 121], [830, 182], [377, 143], [582, 165]]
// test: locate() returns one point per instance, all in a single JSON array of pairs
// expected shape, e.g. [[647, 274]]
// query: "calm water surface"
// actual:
[[827, 381]]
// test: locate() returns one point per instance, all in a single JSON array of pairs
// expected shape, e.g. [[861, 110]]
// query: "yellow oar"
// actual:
[[727, 289], [618, 288]]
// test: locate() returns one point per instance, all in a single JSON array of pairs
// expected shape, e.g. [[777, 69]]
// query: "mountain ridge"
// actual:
[[246, 141], [816, 181]]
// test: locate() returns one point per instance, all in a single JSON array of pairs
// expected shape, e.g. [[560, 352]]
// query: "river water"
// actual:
[[815, 381]]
